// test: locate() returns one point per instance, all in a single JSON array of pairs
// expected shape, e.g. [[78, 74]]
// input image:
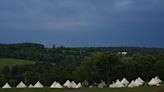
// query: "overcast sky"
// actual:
[[83, 22]]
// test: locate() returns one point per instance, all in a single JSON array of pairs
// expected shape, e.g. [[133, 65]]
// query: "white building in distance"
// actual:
[[123, 53]]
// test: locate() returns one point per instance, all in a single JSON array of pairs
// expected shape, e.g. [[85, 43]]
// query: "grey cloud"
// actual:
[[100, 20]]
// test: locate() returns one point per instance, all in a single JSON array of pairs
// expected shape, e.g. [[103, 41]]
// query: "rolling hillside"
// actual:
[[13, 62]]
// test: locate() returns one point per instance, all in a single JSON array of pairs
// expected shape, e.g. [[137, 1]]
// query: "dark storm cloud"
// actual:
[[83, 22]]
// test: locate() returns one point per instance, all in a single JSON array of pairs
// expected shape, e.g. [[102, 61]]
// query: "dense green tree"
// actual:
[[79, 64], [99, 66]]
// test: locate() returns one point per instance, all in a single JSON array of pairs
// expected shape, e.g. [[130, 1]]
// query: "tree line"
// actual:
[[79, 64]]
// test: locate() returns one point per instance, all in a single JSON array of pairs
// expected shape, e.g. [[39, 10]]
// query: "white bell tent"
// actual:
[[72, 85], [56, 85], [155, 81], [140, 80], [6, 86], [30, 86], [136, 83], [117, 84], [21, 85], [132, 84], [38, 85], [78, 85], [101, 84], [53, 84], [67, 83], [124, 81]]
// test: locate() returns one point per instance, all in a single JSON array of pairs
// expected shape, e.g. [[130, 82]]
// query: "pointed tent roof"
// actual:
[[140, 80], [73, 84], [118, 84], [6, 86], [30, 86], [154, 81], [67, 83], [132, 84], [112, 85], [124, 81], [157, 79], [38, 85], [101, 84], [58, 85], [85, 83], [21, 85], [53, 84], [137, 83], [78, 85]]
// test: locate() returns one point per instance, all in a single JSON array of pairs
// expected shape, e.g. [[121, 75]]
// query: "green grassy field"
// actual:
[[141, 89], [13, 62]]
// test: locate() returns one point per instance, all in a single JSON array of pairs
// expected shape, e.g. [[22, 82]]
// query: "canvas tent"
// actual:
[[53, 84], [117, 84], [30, 86], [154, 82], [67, 83], [72, 85], [124, 81], [78, 85], [85, 83], [56, 85], [101, 84], [135, 83], [112, 85], [132, 84], [157, 79], [91, 86], [21, 85], [38, 85], [6, 86], [140, 80]]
